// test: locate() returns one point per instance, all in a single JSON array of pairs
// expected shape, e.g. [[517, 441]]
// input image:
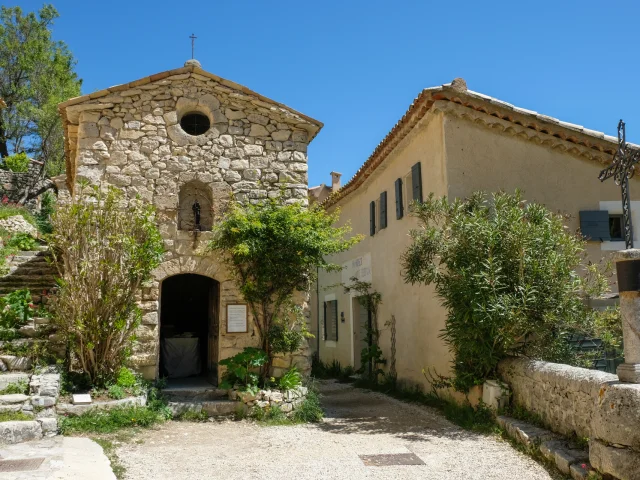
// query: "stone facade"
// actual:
[[130, 136]]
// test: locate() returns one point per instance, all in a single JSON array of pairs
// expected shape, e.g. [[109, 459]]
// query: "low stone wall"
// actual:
[[287, 401], [584, 402]]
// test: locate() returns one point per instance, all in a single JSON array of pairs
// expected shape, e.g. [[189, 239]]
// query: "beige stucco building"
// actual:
[[178, 139], [451, 141]]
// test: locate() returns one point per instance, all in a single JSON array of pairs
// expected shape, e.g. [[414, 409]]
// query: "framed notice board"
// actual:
[[237, 318]]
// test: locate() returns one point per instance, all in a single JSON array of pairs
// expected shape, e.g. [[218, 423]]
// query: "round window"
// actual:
[[195, 123]]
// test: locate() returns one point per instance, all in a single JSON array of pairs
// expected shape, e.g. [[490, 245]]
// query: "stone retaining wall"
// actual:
[[583, 402]]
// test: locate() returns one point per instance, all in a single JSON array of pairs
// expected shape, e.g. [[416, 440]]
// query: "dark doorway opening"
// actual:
[[189, 327]]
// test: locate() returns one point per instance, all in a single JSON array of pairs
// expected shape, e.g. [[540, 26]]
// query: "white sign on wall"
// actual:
[[359, 267]]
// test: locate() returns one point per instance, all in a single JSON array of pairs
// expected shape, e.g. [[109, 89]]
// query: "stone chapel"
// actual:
[[186, 140]]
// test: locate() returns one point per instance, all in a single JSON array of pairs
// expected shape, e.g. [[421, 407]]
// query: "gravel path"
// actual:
[[357, 423]]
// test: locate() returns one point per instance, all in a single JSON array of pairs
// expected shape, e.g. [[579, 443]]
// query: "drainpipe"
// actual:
[[318, 312]]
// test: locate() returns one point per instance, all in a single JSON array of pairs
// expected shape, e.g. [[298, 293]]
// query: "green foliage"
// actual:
[[126, 378], [288, 331], [310, 411], [20, 387], [241, 369], [18, 162], [43, 217], [192, 416], [36, 75], [116, 392], [291, 379], [109, 421], [104, 247], [319, 369], [23, 242], [14, 416], [371, 357], [15, 311], [506, 273], [274, 250]]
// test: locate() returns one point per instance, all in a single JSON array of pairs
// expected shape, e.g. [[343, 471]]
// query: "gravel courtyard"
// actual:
[[357, 423]]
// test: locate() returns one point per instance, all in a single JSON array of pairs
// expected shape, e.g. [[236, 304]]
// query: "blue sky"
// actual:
[[356, 65]]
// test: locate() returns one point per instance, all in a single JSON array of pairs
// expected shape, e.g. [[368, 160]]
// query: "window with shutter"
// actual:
[[416, 180], [331, 320], [383, 210], [372, 218], [399, 202]]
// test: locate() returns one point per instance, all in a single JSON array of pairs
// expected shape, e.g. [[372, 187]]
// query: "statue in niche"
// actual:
[[196, 215]]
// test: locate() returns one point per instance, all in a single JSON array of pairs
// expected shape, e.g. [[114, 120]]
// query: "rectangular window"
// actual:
[[383, 210], [616, 227], [331, 320], [399, 199], [372, 218], [407, 190]]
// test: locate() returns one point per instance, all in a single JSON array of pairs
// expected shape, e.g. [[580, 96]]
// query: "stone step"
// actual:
[[194, 394], [20, 278], [215, 408], [34, 289], [569, 459]]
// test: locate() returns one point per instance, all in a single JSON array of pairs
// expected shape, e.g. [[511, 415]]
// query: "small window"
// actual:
[[195, 123], [399, 199], [615, 228], [331, 320], [377, 209], [372, 218], [383, 210]]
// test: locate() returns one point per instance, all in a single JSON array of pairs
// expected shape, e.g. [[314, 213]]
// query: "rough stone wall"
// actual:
[[133, 140], [563, 396], [13, 184], [587, 403]]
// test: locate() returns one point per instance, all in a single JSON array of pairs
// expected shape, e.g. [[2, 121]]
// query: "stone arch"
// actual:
[[206, 266], [190, 193]]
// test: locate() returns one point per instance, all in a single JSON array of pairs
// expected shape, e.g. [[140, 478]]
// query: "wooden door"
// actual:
[[214, 332]]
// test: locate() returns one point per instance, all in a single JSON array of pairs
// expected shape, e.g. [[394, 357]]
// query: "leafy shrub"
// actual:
[[15, 311], [192, 416], [241, 369], [126, 378], [506, 273], [116, 392], [22, 242], [291, 379], [18, 162], [104, 247], [287, 332], [43, 217], [109, 421], [274, 250]]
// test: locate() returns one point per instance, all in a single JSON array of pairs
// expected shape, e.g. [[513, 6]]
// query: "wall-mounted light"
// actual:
[[342, 317]]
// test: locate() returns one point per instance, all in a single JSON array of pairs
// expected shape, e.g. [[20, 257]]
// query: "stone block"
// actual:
[[43, 401], [12, 399], [48, 425], [618, 407], [622, 463], [580, 471], [565, 457], [19, 431]]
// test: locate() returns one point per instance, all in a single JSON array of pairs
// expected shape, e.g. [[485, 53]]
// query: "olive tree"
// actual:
[[508, 274], [104, 248], [274, 250]]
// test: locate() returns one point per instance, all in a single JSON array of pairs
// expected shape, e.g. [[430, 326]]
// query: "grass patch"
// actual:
[[109, 448], [7, 211], [309, 411], [20, 387], [112, 420], [191, 416], [14, 416]]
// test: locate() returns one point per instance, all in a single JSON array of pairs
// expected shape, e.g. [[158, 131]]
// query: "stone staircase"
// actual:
[[195, 399], [30, 270]]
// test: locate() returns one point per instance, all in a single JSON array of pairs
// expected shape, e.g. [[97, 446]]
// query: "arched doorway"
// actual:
[[189, 305]]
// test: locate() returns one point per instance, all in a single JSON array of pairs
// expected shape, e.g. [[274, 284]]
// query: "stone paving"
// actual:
[[416, 443]]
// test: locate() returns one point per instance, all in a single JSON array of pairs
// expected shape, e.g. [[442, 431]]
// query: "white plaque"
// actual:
[[81, 399], [237, 319]]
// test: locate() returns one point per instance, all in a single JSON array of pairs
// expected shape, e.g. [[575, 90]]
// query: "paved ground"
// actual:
[[58, 458], [357, 423]]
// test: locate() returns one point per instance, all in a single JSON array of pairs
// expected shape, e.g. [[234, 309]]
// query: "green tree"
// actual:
[[103, 251], [274, 250], [36, 73], [507, 273]]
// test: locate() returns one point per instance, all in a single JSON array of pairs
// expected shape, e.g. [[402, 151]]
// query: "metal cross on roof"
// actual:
[[622, 169], [193, 39]]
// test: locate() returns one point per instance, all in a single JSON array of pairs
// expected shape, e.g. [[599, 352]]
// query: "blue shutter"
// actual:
[[594, 225], [399, 206], [372, 218], [383, 210], [416, 180]]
